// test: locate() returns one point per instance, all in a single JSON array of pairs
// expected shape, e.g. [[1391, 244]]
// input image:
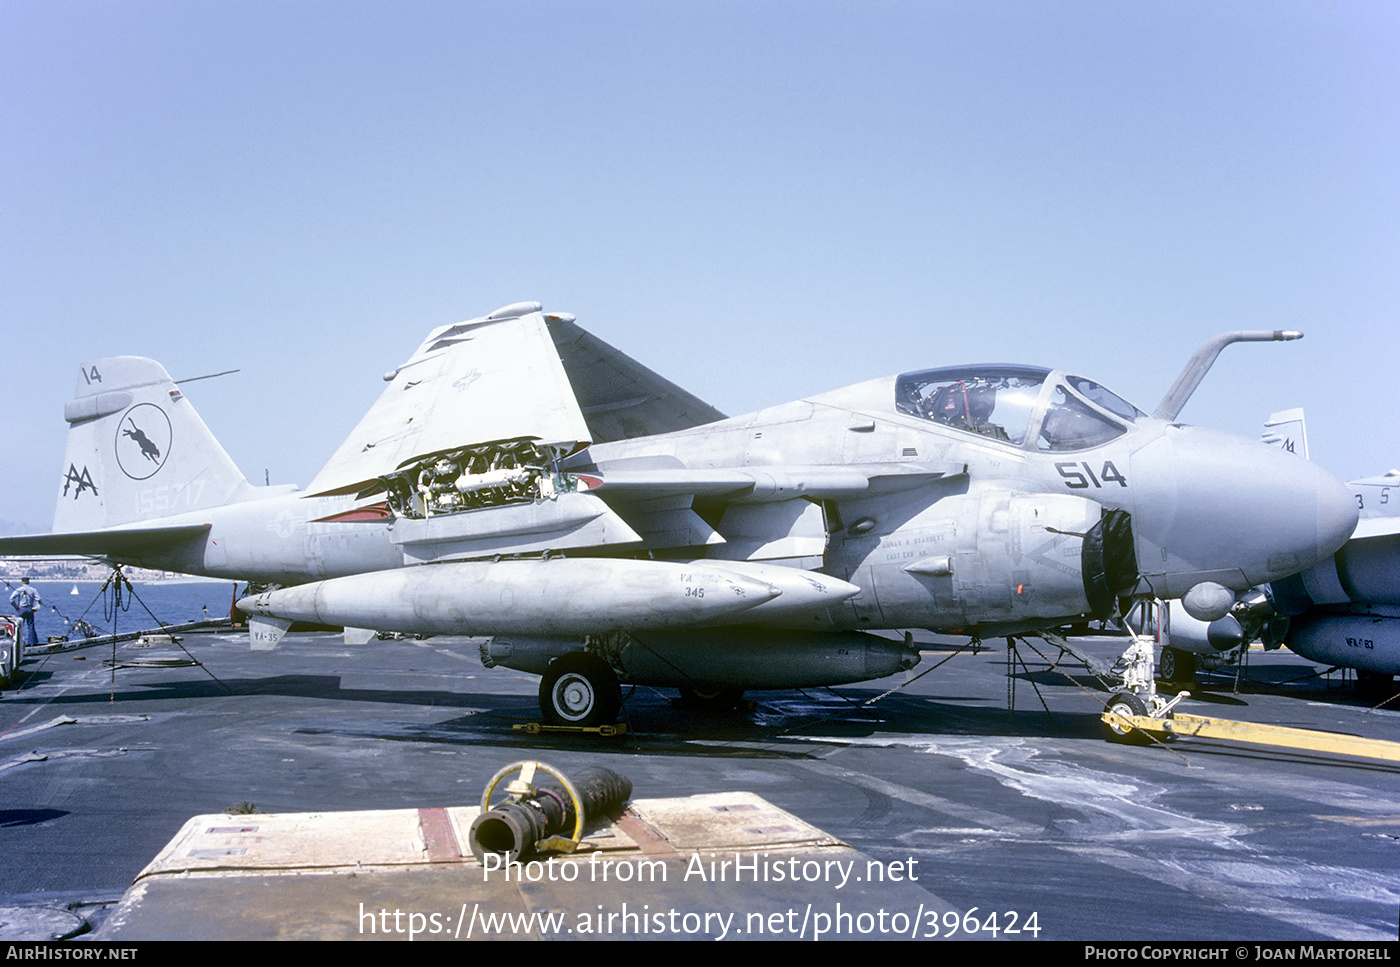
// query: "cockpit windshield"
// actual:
[[1105, 398], [1071, 424], [993, 401], [1002, 402]]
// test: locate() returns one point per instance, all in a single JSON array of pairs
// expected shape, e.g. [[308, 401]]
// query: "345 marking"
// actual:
[[1075, 480]]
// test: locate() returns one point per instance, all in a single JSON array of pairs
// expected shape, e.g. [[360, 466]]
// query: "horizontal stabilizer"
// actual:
[[122, 542]]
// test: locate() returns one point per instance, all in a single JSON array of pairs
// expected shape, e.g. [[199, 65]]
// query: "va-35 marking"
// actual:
[[520, 479]]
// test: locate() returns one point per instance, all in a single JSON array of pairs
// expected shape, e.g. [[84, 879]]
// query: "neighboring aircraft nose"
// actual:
[[1214, 507]]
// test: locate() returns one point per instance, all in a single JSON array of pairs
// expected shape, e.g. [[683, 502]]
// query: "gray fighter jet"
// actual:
[[1345, 609], [1342, 611], [521, 479]]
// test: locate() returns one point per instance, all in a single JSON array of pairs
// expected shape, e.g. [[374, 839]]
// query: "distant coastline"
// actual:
[[12, 569]]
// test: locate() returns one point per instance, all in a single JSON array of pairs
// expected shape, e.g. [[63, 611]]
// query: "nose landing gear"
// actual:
[[1138, 698]]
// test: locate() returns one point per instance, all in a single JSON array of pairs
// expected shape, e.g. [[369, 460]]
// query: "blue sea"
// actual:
[[173, 602]]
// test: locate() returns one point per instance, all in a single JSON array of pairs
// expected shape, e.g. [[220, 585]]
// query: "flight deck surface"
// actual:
[[1031, 817]]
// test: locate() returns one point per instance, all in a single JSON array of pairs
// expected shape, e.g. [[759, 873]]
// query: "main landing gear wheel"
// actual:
[[1176, 666], [1126, 703], [580, 689]]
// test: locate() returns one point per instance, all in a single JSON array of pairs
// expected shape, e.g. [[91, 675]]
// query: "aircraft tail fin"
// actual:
[[137, 450], [1286, 430]]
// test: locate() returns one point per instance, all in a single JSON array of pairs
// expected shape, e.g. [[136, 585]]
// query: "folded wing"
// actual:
[[478, 382]]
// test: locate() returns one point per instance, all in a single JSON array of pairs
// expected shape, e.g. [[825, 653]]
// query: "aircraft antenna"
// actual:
[[191, 379]]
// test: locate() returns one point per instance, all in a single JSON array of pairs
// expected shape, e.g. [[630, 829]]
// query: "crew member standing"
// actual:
[[24, 600]]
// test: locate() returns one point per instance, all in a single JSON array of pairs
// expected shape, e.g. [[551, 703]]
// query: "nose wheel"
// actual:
[[1125, 703], [580, 689]]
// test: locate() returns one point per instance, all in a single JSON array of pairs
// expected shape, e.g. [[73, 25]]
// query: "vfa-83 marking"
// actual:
[[523, 480]]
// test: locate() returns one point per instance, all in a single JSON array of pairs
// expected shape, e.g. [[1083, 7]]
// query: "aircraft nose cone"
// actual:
[[1213, 507], [1337, 514], [1306, 511]]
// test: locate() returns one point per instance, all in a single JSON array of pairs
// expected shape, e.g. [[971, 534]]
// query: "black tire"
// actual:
[[1176, 666], [1126, 703], [579, 689], [717, 699], [1377, 684]]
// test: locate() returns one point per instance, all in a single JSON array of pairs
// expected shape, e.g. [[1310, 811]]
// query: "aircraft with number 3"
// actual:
[[1343, 611], [521, 480]]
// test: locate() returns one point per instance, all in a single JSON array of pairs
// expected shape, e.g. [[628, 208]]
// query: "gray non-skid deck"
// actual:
[[991, 820]]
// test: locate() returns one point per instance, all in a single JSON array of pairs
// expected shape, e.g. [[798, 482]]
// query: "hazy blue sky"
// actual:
[[760, 200]]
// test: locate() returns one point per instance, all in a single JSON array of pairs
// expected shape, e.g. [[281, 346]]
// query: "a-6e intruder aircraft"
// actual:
[[523, 480]]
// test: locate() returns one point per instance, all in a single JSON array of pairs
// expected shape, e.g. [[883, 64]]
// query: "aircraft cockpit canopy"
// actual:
[[1017, 405], [992, 401], [1105, 398]]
